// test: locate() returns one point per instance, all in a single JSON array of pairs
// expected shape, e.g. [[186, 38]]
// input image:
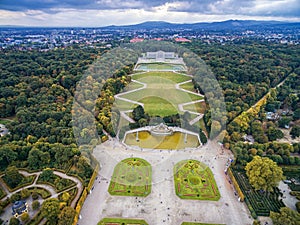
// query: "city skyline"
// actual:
[[97, 13]]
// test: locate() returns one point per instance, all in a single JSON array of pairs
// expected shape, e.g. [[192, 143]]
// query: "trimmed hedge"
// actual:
[[93, 177], [236, 185], [80, 204], [42, 192], [259, 204], [85, 193]]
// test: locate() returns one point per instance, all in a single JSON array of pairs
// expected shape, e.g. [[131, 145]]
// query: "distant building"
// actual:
[[182, 40], [135, 40], [160, 55], [19, 207]]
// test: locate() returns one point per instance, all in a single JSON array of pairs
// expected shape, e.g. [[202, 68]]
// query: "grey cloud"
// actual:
[[216, 7]]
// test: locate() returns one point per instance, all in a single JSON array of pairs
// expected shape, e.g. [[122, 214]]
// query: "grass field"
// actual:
[[133, 86], [121, 221], [131, 177], [156, 106], [171, 76], [160, 66], [199, 107], [160, 97], [194, 180], [188, 86], [175, 141]]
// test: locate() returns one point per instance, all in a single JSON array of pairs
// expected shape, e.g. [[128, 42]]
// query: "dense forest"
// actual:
[[262, 74], [39, 88], [246, 71], [37, 91]]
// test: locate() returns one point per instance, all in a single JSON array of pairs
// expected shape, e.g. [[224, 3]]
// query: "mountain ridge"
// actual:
[[227, 24], [219, 25]]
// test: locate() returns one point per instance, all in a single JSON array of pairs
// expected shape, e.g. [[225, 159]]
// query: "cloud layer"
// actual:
[[104, 12]]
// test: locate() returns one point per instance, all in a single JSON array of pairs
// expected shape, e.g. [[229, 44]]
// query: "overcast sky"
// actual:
[[120, 12]]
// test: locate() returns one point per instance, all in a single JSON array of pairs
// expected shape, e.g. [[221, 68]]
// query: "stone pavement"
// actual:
[[162, 206]]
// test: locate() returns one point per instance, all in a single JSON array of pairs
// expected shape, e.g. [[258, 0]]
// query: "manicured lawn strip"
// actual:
[[194, 180], [132, 86], [259, 204], [131, 177], [188, 86], [199, 107], [123, 105], [160, 66], [191, 223], [164, 91], [157, 106], [160, 97], [121, 221], [171, 76]]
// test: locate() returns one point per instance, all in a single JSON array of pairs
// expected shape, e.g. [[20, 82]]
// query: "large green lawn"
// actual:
[[156, 106], [171, 76], [131, 177], [121, 221], [194, 180], [160, 66], [160, 97]]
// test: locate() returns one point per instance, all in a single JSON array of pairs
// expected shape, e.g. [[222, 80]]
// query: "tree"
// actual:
[[284, 122], [263, 173], [14, 221], [7, 156], [38, 159], [138, 113], [296, 115], [35, 205], [66, 217], [12, 176], [295, 132], [47, 175], [50, 210], [25, 193], [285, 216]]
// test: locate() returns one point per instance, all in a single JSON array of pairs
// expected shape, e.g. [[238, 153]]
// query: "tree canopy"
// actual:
[[285, 216], [263, 173], [50, 210]]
